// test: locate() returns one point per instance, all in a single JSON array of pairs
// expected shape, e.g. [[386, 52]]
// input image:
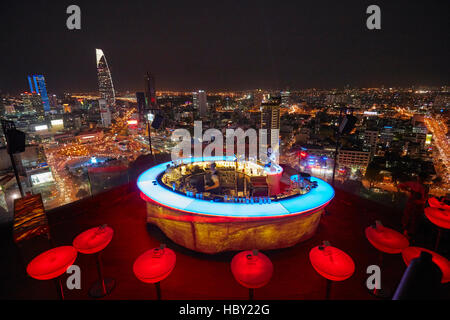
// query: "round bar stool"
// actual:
[[93, 241], [385, 240], [411, 253], [51, 264], [331, 263], [435, 203], [251, 269], [155, 265], [440, 218]]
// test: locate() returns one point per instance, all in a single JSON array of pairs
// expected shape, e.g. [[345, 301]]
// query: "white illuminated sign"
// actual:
[[41, 128], [57, 122], [41, 178]]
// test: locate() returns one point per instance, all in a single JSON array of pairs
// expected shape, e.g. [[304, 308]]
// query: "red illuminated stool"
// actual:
[[51, 264], [93, 241], [251, 269], [411, 253], [331, 263], [435, 203], [155, 265], [440, 218], [385, 240]]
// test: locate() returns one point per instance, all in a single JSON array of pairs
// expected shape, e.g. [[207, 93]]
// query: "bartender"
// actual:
[[212, 182]]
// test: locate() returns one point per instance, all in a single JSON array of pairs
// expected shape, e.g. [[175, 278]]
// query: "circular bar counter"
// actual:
[[210, 226]]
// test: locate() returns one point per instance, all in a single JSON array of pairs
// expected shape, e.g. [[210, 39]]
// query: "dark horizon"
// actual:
[[225, 46]]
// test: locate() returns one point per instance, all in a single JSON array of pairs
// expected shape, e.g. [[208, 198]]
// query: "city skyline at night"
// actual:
[[260, 45], [200, 150]]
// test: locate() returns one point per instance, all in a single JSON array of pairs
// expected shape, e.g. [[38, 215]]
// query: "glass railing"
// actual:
[[69, 172]]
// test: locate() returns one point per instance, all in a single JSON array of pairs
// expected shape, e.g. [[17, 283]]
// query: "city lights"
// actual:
[[249, 150]]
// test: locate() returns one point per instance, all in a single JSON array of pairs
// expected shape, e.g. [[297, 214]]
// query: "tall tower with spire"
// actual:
[[105, 83]]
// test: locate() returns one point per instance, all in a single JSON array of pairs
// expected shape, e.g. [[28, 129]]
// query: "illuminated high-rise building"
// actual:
[[37, 85], [285, 98], [105, 113], [32, 102], [150, 91], [105, 83], [202, 103], [53, 101], [195, 99], [257, 98], [141, 105], [270, 117]]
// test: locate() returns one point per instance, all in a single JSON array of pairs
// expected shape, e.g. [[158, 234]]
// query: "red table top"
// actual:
[[386, 240], [52, 263], [332, 263], [154, 265], [443, 264], [251, 271], [439, 217], [435, 203], [93, 240]]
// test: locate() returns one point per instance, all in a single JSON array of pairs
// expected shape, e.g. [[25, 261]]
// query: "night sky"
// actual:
[[230, 45]]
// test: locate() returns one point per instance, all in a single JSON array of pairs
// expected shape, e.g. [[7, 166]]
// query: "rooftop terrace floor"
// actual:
[[201, 276]]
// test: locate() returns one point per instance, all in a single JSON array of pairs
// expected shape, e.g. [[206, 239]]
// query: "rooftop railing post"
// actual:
[[8, 127]]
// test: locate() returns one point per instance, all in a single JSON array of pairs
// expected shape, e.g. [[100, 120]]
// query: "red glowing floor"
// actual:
[[199, 276]]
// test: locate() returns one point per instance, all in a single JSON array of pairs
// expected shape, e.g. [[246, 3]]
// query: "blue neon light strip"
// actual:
[[314, 199], [31, 84], [35, 84]]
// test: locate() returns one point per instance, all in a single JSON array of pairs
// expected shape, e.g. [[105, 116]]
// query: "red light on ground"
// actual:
[[303, 154]]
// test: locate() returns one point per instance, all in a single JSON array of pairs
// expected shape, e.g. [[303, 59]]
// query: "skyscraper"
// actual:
[[105, 83], [141, 105], [195, 99], [285, 98], [257, 98], [39, 87], [202, 103], [270, 117], [105, 113], [32, 102], [150, 91]]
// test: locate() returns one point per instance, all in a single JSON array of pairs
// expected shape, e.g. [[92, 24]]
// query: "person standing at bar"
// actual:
[[414, 207], [212, 182]]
